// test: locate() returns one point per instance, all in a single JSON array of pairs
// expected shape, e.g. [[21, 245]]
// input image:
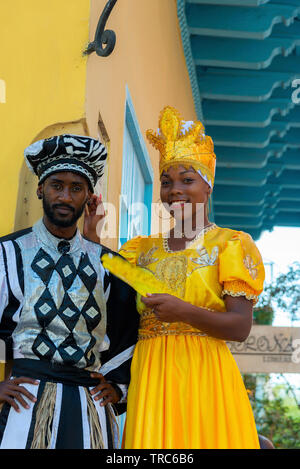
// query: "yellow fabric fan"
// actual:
[[140, 279]]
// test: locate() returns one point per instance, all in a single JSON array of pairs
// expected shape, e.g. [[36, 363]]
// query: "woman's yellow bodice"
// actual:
[[221, 262]]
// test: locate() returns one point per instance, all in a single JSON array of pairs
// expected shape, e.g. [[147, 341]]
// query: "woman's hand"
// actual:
[[106, 391], [11, 392], [234, 325], [93, 214], [167, 308]]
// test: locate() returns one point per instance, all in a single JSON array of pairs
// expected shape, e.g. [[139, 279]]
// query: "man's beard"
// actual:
[[50, 213]]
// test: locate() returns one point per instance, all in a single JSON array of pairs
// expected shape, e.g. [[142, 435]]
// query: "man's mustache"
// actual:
[[63, 206]]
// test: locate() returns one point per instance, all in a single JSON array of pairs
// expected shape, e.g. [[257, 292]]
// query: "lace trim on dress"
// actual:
[[248, 296], [201, 233]]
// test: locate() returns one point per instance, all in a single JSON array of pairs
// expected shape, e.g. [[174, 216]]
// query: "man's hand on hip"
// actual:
[[12, 393], [105, 391]]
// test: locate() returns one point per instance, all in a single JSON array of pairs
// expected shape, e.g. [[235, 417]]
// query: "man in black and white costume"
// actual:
[[64, 318]]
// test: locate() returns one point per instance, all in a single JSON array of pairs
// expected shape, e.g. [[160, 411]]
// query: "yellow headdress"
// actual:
[[185, 143]]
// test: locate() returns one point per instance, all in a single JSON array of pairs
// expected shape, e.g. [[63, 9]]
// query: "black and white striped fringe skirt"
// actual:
[[65, 415]]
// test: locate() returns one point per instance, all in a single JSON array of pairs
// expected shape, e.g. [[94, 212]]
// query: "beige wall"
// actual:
[[149, 59]]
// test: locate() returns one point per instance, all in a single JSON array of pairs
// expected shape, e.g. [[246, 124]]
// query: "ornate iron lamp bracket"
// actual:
[[103, 38]]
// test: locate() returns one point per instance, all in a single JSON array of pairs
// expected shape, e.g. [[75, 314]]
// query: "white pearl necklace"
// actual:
[[207, 228]]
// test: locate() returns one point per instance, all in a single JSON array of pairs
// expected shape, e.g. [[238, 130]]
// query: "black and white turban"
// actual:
[[82, 155]]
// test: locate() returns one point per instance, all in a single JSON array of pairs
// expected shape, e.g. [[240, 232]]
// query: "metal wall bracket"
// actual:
[[105, 40]]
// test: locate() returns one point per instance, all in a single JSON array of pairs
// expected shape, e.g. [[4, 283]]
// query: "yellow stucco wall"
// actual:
[[44, 71], [149, 59]]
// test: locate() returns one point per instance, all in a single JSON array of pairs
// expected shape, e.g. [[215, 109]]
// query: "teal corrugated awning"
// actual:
[[242, 57]]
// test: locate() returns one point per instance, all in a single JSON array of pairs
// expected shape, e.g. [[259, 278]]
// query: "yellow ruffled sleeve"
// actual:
[[130, 249], [241, 270]]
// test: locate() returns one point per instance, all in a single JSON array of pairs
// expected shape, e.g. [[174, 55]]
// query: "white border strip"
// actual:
[[102, 419], [117, 360], [56, 418], [13, 276], [3, 284], [85, 422]]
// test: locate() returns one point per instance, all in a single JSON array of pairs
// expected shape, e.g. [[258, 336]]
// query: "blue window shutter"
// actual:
[[137, 180]]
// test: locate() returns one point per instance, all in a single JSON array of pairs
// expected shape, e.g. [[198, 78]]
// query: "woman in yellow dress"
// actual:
[[186, 391]]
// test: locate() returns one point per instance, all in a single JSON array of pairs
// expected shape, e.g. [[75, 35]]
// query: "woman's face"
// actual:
[[181, 190]]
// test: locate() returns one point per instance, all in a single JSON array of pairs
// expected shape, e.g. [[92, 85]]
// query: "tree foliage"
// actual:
[[283, 294], [274, 418]]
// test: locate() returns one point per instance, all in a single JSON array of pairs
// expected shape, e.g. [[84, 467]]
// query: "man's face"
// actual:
[[64, 197]]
